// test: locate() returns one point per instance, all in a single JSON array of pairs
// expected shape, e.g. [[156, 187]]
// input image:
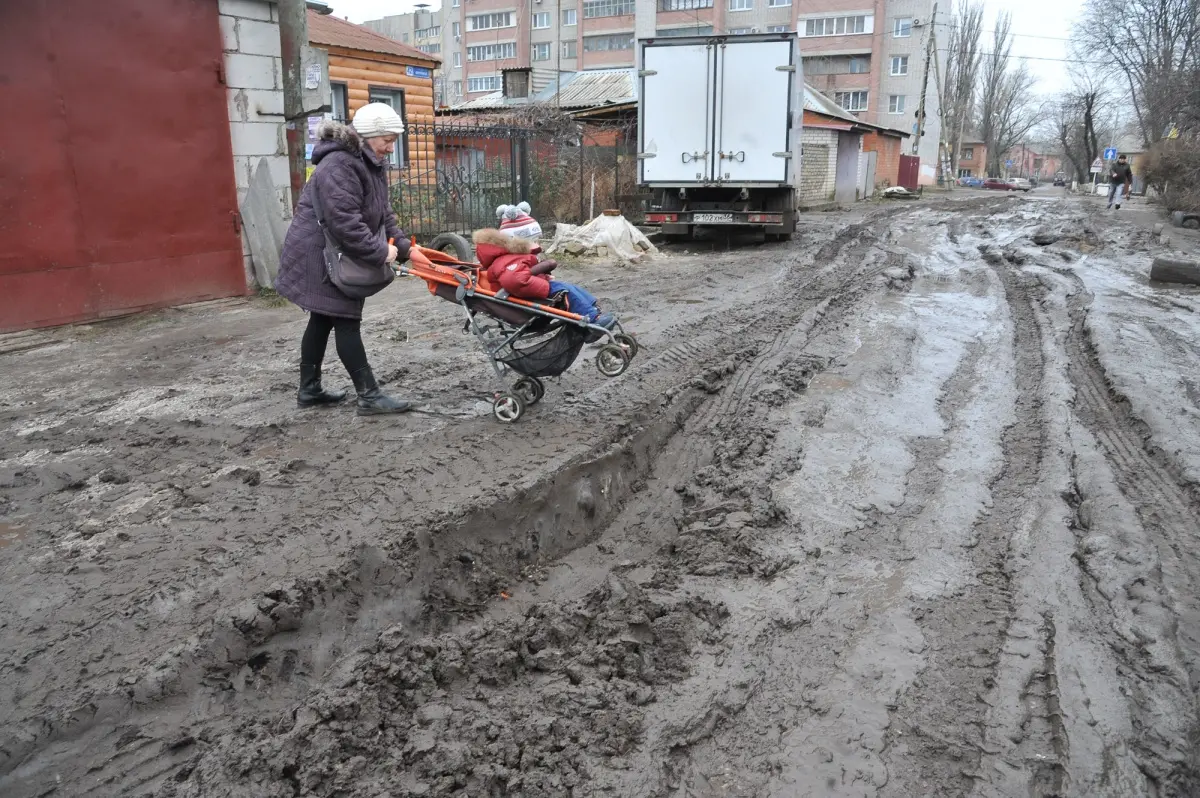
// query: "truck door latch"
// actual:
[[689, 157], [739, 156]]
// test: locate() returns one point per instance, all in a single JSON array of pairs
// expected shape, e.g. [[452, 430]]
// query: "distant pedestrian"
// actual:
[[351, 175], [1120, 182]]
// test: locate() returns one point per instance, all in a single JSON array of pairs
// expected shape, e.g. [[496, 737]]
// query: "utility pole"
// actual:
[[293, 37], [924, 85]]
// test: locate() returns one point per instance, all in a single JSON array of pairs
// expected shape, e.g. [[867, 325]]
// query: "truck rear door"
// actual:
[[677, 119], [755, 84]]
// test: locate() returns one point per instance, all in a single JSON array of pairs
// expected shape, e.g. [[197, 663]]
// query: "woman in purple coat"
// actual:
[[351, 178]]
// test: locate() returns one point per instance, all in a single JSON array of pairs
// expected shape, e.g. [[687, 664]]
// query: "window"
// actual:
[[570, 17], [405, 38], [837, 65], [337, 102], [778, 3], [541, 20], [456, 88], [964, 172], [896, 104], [454, 3], [741, 5], [899, 65], [697, 30], [603, 44], [398, 159], [492, 52], [428, 33], [739, 31], [432, 49], [489, 83], [683, 5], [489, 21], [457, 60], [851, 100], [903, 28], [541, 51], [838, 26], [613, 8], [777, 29], [569, 48], [968, 154], [455, 29]]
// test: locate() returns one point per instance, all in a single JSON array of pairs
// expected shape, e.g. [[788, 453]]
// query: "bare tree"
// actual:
[[962, 73], [1007, 107], [1155, 46]]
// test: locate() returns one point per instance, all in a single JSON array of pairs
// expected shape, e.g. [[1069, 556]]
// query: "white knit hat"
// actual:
[[377, 119]]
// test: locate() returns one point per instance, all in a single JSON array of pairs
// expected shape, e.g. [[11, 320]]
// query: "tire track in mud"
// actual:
[[354, 590], [1169, 510]]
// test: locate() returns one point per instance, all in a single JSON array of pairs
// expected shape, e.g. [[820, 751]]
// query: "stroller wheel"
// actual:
[[612, 360], [508, 408], [530, 389], [627, 341]]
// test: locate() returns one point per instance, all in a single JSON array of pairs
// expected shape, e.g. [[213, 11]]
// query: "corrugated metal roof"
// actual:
[[591, 88], [819, 103]]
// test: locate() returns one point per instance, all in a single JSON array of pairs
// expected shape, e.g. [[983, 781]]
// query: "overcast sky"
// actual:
[[1041, 28]]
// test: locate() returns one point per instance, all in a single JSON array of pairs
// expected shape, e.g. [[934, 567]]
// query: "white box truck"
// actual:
[[719, 122]]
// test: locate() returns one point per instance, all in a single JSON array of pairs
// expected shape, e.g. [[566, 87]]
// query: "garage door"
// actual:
[[116, 176]]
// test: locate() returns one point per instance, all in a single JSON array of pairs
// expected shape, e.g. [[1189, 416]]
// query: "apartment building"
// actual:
[[867, 55], [421, 29]]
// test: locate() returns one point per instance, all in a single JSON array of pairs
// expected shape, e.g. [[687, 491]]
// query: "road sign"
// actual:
[[1110, 153], [1008, 163], [1097, 166]]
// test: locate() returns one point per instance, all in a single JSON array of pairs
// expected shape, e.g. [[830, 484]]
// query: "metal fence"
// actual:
[[457, 174]]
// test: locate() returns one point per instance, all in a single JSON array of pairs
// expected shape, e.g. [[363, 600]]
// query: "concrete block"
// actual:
[[256, 138], [247, 9], [250, 71], [1175, 270], [264, 105], [241, 173], [277, 168], [229, 40], [238, 105], [277, 70], [258, 38]]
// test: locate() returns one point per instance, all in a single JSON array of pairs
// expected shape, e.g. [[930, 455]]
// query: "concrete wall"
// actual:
[[254, 87], [818, 166]]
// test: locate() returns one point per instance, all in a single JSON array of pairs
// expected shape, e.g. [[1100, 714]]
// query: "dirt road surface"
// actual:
[[906, 507]]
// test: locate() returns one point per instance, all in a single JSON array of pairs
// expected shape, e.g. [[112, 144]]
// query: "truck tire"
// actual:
[[453, 244]]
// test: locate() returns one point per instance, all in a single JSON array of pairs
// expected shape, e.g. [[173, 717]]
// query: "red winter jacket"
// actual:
[[508, 261]]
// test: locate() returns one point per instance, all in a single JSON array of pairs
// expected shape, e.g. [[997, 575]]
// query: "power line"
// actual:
[[1021, 35], [1037, 58]]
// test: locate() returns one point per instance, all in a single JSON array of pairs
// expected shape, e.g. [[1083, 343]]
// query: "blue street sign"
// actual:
[[1008, 162], [1110, 153], [418, 72]]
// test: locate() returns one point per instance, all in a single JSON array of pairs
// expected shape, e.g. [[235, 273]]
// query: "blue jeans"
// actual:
[[581, 301]]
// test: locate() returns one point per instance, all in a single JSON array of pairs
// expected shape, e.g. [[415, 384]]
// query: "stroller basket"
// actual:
[[545, 354]]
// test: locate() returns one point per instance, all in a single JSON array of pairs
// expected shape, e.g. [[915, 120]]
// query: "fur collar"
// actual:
[[510, 244], [339, 133]]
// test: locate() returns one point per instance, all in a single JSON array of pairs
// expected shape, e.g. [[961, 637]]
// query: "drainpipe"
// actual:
[[293, 36]]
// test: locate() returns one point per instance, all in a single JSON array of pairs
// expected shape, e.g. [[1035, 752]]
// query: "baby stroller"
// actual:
[[534, 339]]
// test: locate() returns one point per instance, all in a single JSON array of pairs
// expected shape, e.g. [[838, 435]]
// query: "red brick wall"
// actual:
[[887, 164]]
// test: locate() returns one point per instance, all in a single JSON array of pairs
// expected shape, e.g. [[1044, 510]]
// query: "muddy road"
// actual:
[[909, 506]]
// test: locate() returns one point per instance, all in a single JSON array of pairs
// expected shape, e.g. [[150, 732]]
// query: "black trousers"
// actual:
[[347, 337]]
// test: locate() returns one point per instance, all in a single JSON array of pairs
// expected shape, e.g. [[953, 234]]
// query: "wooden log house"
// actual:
[[365, 66]]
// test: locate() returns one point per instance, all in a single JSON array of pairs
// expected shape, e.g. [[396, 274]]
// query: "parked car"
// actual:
[[1021, 183], [971, 182], [1060, 180], [1000, 184]]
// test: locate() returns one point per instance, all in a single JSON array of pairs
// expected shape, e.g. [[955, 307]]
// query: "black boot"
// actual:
[[311, 393], [371, 400]]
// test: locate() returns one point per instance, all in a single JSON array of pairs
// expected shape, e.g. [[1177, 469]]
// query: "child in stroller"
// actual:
[[512, 264]]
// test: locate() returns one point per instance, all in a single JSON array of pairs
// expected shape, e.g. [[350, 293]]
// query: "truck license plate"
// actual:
[[712, 218]]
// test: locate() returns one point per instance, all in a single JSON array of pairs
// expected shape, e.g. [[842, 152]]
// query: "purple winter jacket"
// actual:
[[354, 199]]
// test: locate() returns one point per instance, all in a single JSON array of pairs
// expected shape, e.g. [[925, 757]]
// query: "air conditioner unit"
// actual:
[[754, 30], [916, 23]]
